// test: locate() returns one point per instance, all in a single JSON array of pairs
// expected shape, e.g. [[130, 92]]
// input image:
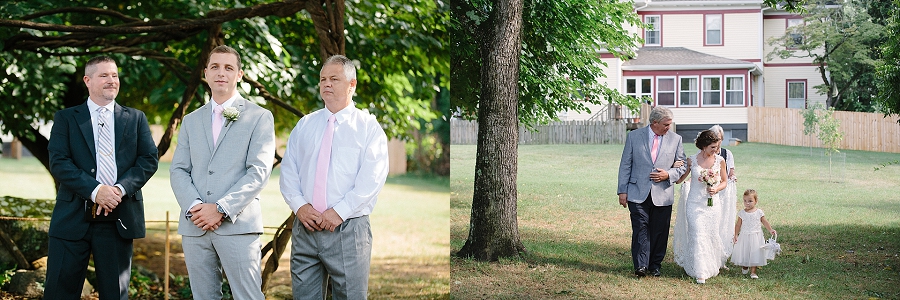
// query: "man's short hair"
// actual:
[[225, 49], [91, 66], [349, 67], [659, 114]]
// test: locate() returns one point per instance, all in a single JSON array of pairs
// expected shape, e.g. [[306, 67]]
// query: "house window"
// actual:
[[796, 94], [712, 91], [639, 87], [734, 90], [796, 36], [713, 29], [653, 33], [688, 88], [665, 91]]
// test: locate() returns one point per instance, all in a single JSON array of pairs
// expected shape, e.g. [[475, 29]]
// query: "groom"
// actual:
[[222, 162], [647, 174]]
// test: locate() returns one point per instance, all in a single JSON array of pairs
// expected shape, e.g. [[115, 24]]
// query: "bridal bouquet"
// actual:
[[710, 178]]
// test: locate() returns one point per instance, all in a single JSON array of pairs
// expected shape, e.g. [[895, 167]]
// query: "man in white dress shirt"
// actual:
[[332, 189]]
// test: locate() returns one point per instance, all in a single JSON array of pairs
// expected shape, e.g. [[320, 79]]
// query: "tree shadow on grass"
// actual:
[[844, 261]]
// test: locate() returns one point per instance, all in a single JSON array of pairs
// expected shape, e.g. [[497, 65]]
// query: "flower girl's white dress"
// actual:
[[747, 251]]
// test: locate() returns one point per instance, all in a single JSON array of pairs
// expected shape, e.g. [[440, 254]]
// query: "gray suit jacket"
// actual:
[[232, 173], [636, 165]]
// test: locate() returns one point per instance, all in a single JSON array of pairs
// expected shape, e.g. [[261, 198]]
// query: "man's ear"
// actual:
[[86, 79]]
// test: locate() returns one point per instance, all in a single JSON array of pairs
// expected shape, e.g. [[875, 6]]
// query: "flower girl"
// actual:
[[748, 237]]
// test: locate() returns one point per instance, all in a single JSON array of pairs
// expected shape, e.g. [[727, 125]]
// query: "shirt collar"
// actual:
[[344, 114], [93, 106], [228, 103]]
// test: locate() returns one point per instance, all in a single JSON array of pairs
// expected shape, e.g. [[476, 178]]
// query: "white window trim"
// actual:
[[674, 91], [637, 87], [787, 86], [721, 88], [657, 28], [721, 29], [789, 31], [743, 90], [678, 98]]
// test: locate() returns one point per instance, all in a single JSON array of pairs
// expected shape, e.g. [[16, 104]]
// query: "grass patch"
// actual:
[[409, 226], [841, 235]]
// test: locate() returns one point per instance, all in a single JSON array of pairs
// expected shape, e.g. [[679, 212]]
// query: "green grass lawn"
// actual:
[[409, 224], [841, 234]]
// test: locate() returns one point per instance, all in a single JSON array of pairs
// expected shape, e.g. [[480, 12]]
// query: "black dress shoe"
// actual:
[[655, 273], [641, 272]]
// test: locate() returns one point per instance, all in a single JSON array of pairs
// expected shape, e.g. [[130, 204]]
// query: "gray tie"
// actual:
[[106, 163]]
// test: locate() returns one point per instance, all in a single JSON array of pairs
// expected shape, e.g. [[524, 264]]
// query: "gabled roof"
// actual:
[[679, 58]]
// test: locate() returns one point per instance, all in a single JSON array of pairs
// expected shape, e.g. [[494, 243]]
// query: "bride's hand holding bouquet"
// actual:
[[711, 179]]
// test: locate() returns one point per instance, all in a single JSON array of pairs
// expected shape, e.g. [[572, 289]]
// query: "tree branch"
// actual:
[[11, 247], [285, 8], [261, 89], [87, 10], [213, 39]]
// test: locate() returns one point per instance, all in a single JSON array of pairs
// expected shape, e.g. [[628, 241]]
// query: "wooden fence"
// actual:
[[862, 131], [569, 132]]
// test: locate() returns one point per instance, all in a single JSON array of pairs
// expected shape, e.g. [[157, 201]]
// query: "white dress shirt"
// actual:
[[357, 169], [95, 125]]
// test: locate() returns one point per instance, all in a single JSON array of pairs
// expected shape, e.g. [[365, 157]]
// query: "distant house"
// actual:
[[706, 60]]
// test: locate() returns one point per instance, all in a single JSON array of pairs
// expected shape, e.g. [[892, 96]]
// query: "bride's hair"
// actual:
[[706, 138]]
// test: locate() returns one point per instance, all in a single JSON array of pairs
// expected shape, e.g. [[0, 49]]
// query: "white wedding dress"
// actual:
[[698, 243]]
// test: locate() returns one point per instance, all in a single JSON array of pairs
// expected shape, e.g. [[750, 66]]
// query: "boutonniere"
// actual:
[[231, 114]]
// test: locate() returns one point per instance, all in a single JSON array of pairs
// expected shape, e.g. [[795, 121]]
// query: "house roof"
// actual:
[[679, 58]]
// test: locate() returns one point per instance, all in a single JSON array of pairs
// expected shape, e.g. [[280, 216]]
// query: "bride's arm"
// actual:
[[687, 172]]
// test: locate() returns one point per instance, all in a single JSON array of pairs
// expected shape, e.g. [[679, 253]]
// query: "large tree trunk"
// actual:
[[493, 229]]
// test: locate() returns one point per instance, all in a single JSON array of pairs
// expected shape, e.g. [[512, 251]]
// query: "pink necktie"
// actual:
[[319, 189], [217, 123], [655, 147]]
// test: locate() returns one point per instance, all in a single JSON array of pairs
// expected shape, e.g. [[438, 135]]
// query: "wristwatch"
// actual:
[[220, 210]]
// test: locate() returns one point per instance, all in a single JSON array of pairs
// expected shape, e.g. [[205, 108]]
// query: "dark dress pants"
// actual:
[[67, 263], [649, 233]]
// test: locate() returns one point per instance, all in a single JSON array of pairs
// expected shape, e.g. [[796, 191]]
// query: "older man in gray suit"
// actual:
[[651, 163], [223, 160]]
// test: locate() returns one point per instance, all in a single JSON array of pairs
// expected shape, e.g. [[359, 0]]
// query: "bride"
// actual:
[[697, 244]]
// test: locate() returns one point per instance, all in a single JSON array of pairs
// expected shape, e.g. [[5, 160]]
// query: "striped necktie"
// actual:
[[106, 162]]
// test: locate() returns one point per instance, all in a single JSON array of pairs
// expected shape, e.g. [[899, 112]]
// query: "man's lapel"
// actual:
[[83, 119], [122, 117], [645, 143], [205, 121], [239, 104]]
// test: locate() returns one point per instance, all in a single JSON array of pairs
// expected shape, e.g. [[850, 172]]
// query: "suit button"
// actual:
[[211, 172], [92, 170], [208, 193]]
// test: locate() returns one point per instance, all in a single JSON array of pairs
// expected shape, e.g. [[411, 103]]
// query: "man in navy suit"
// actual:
[[102, 154], [651, 163]]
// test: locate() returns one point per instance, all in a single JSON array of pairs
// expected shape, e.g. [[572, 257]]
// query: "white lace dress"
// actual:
[[697, 241], [747, 251]]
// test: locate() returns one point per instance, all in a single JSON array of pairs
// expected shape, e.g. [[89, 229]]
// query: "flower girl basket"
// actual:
[[771, 247]]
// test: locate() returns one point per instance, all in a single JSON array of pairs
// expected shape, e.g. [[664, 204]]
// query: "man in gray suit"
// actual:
[[651, 163], [335, 165], [223, 160]]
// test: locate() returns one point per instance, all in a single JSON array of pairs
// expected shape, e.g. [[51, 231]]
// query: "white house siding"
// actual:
[[776, 84], [612, 71], [775, 28], [725, 115], [741, 33], [683, 30]]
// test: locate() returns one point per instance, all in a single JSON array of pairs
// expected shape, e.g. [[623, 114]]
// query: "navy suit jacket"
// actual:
[[73, 164]]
